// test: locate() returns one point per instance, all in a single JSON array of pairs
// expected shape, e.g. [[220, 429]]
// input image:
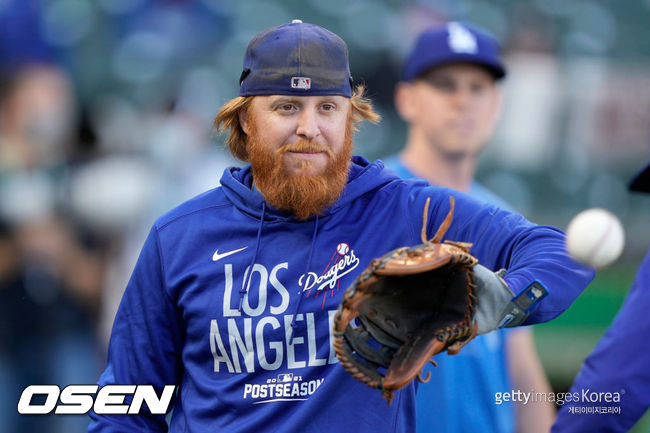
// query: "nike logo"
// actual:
[[219, 256]]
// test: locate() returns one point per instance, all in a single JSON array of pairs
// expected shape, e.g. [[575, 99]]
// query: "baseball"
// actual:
[[595, 237], [342, 248]]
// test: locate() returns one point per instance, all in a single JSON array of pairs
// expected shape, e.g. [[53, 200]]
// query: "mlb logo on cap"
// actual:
[[301, 83]]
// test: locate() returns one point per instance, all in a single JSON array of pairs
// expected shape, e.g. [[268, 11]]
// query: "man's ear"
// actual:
[[404, 100], [244, 120]]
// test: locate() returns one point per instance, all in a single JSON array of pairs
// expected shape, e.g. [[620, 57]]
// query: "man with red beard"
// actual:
[[234, 294]]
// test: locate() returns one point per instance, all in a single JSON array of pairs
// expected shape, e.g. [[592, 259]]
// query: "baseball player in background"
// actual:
[[450, 98], [233, 297], [612, 390]]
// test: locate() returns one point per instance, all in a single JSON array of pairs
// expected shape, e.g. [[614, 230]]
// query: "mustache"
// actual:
[[305, 146]]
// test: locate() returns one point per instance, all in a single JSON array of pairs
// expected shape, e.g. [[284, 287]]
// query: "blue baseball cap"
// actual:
[[454, 43], [641, 181], [296, 59]]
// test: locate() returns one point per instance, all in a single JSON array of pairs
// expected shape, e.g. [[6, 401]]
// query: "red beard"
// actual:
[[302, 195]]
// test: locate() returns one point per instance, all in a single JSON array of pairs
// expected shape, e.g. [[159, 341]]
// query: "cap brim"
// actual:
[[495, 69], [641, 181], [498, 72]]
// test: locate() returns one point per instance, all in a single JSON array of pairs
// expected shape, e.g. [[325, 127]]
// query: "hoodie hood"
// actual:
[[363, 176], [236, 183]]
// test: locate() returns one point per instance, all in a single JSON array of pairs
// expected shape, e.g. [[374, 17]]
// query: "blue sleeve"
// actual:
[[501, 239], [619, 366], [145, 344]]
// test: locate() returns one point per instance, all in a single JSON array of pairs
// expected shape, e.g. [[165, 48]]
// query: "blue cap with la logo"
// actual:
[[454, 42], [296, 59]]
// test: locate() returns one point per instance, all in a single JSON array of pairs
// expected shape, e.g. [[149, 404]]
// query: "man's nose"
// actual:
[[308, 125], [462, 98]]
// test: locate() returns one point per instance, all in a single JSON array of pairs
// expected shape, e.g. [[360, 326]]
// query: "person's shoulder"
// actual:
[[194, 207], [372, 176], [399, 178], [393, 162]]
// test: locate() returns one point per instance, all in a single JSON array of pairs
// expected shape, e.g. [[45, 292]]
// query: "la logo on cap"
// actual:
[[460, 39], [301, 83]]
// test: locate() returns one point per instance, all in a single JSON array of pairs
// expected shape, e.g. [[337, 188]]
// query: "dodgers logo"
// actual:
[[460, 39], [342, 262]]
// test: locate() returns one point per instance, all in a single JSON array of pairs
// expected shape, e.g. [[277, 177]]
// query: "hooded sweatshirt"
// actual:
[[233, 301]]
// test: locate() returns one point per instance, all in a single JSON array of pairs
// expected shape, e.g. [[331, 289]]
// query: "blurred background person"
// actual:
[[52, 270], [450, 98]]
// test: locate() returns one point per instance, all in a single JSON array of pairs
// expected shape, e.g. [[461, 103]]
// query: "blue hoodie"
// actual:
[[254, 353]]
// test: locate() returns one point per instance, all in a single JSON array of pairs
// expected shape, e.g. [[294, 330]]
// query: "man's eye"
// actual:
[[286, 107], [444, 85], [328, 107], [478, 88]]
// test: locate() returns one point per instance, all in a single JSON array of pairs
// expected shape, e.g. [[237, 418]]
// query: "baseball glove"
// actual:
[[406, 307]]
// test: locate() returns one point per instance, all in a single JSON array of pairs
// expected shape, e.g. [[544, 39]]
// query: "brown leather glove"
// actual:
[[406, 307]]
